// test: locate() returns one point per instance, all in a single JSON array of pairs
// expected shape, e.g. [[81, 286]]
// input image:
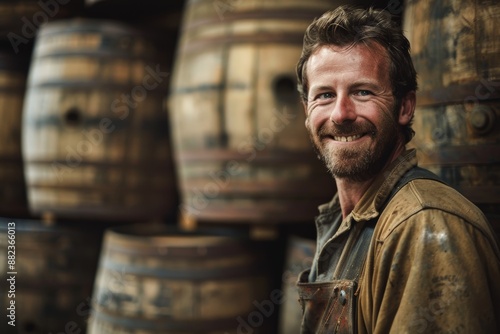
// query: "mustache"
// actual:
[[344, 130]]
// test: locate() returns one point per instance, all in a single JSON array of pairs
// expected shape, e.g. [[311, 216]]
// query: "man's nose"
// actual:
[[343, 110]]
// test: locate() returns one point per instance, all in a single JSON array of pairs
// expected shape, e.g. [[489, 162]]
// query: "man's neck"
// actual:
[[350, 194]]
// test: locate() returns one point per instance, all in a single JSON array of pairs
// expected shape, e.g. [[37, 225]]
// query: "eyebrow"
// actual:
[[321, 88], [356, 85], [367, 84]]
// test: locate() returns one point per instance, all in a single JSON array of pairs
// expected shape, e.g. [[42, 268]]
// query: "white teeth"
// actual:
[[347, 139]]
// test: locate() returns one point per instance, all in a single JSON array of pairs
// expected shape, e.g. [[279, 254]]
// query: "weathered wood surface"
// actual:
[[95, 133], [243, 153], [152, 279]]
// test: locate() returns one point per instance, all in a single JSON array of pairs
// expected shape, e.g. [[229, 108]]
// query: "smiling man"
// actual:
[[398, 251]]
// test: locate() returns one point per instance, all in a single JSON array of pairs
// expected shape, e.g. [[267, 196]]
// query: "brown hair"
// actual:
[[347, 26]]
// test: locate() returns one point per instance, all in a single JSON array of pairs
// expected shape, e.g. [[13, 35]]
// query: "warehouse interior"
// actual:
[[155, 172]]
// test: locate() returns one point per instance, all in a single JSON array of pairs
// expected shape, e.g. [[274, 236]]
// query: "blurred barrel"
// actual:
[[12, 87], [153, 279], [299, 255], [53, 269], [95, 134], [457, 57], [243, 153]]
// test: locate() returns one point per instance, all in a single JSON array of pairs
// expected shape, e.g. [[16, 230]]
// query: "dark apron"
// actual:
[[328, 307], [331, 307]]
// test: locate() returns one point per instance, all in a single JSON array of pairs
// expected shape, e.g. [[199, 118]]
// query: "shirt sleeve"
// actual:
[[433, 273]]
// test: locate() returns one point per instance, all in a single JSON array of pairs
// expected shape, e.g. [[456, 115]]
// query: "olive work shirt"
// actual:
[[433, 265]]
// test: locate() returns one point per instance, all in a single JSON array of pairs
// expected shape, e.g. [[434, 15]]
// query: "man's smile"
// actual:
[[347, 138]]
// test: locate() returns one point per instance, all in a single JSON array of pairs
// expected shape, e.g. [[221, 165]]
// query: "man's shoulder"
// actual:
[[424, 194]]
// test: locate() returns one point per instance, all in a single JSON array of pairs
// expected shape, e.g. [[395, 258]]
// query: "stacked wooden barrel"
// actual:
[[242, 151], [456, 54], [155, 279], [19, 24], [95, 137]]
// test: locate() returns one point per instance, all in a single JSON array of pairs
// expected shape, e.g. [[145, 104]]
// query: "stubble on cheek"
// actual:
[[315, 139]]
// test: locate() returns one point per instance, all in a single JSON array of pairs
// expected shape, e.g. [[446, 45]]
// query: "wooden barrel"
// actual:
[[95, 134], [50, 281], [13, 201], [299, 255], [243, 153], [457, 57], [153, 279]]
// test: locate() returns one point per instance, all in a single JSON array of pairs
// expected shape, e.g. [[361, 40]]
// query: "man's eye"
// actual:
[[363, 92], [324, 96]]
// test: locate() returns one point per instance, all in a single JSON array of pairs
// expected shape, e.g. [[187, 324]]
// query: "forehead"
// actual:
[[359, 61]]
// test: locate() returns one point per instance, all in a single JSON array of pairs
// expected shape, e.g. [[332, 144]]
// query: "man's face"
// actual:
[[351, 116]]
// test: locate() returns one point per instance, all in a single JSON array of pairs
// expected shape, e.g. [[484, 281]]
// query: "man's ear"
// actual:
[[407, 108]]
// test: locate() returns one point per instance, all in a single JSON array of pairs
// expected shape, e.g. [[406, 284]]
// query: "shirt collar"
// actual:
[[374, 198]]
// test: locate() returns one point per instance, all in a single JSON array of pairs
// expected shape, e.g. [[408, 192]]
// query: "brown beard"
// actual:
[[358, 164]]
